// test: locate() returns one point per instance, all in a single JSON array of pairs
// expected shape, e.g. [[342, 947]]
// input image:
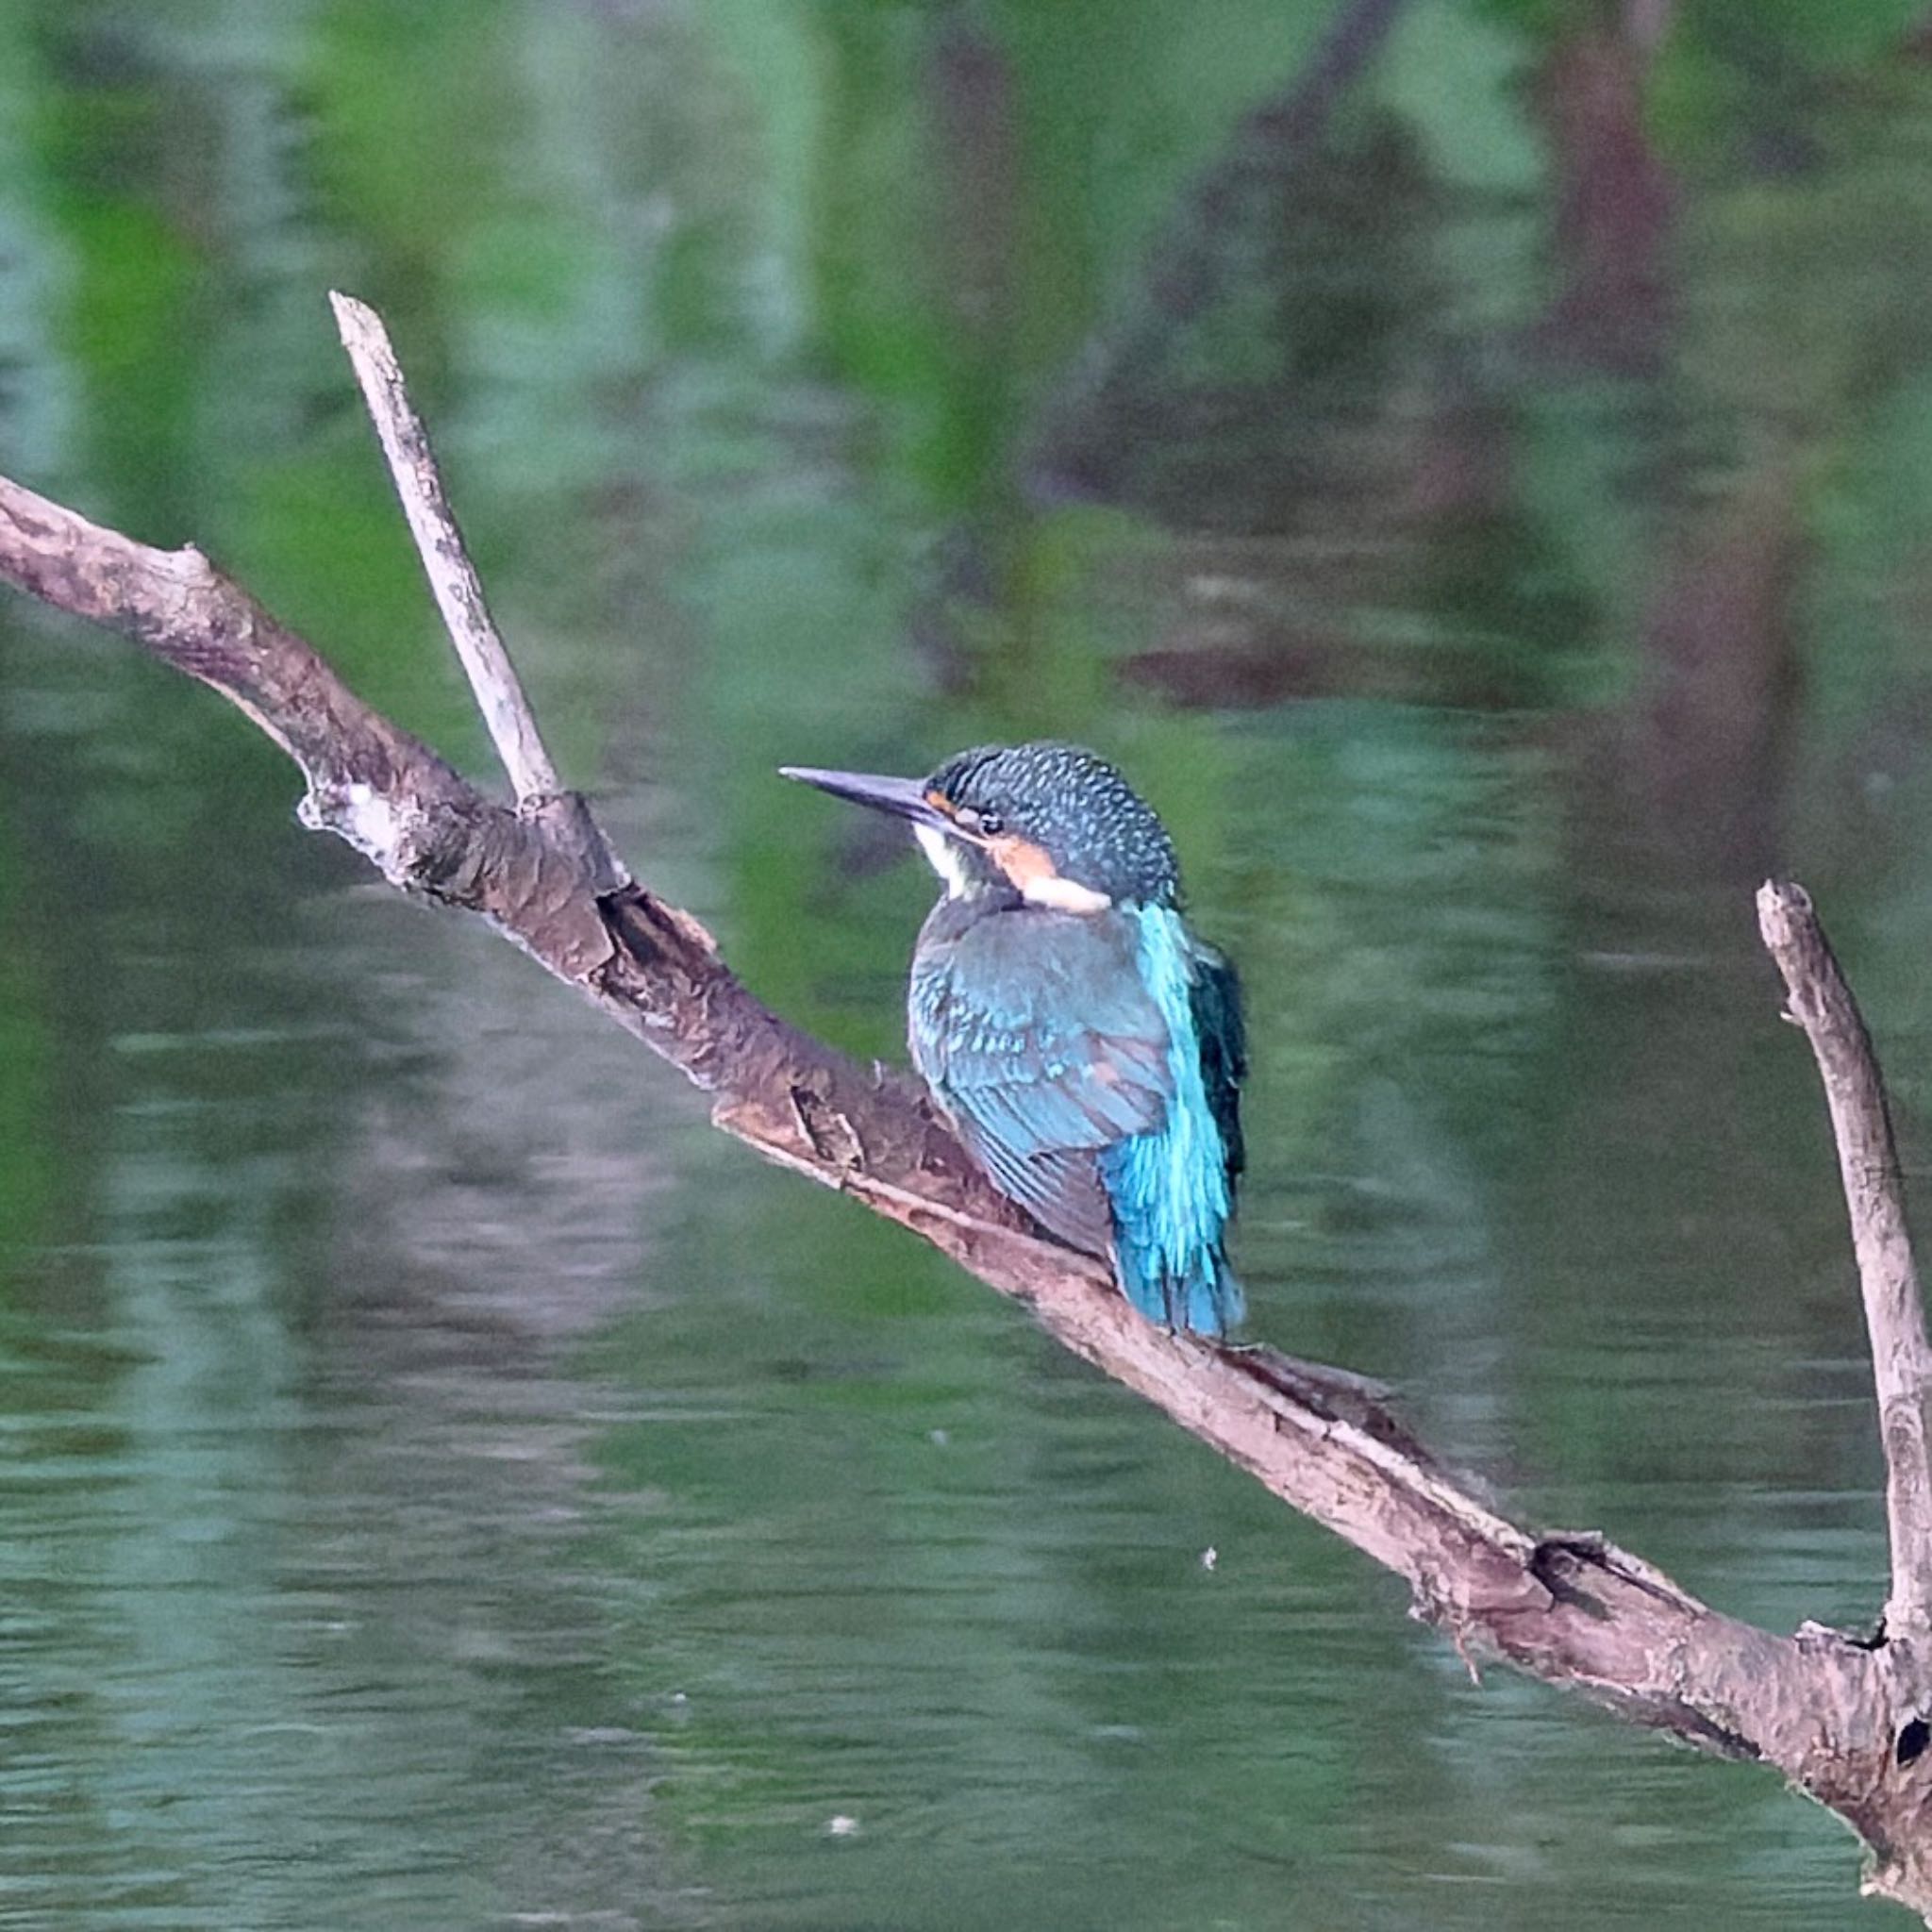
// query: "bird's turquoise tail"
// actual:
[[1172, 1191], [1206, 1299], [1168, 1212]]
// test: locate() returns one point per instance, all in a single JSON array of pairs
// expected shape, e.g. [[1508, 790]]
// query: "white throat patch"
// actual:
[[942, 855]]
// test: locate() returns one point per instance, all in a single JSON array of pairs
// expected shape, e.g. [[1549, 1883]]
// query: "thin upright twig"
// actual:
[[1821, 1004], [459, 591]]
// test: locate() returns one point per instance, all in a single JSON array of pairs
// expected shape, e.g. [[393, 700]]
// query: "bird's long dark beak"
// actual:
[[904, 797]]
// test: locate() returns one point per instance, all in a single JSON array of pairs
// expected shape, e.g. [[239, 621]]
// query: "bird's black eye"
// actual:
[[990, 822]]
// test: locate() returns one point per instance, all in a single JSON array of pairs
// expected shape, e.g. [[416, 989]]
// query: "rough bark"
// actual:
[[1845, 1719]]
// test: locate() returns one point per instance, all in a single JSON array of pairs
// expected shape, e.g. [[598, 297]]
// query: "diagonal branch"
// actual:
[[1842, 1720], [1821, 1004]]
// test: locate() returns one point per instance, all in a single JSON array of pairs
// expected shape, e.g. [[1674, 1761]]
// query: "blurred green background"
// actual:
[[1471, 461]]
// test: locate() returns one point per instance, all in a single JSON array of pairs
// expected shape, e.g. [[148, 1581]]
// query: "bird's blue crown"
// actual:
[[1090, 822]]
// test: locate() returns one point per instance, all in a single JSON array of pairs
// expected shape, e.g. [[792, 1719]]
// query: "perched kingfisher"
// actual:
[[1086, 1046]]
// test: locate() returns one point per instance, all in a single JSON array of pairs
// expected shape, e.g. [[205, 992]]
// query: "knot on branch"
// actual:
[[383, 825], [453, 845]]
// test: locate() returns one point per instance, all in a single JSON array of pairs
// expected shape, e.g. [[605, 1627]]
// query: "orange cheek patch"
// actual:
[[1021, 860], [1038, 879]]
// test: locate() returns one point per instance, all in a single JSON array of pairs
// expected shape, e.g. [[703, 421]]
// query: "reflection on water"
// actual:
[[1469, 468]]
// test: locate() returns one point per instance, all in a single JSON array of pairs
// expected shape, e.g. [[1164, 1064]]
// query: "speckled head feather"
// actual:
[[1075, 807]]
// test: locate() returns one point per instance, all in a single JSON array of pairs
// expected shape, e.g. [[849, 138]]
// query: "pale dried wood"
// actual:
[[453, 578], [1821, 1002]]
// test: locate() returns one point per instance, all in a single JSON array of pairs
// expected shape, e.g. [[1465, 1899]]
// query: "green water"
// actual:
[[1483, 496]]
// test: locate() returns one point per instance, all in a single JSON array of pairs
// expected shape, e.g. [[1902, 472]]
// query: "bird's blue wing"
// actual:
[[1035, 1032]]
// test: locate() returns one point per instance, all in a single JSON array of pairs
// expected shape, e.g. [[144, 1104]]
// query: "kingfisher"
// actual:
[[1086, 1046]]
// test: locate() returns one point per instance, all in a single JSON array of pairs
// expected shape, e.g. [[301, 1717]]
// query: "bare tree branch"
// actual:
[[1842, 1720], [452, 577], [1821, 1004]]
